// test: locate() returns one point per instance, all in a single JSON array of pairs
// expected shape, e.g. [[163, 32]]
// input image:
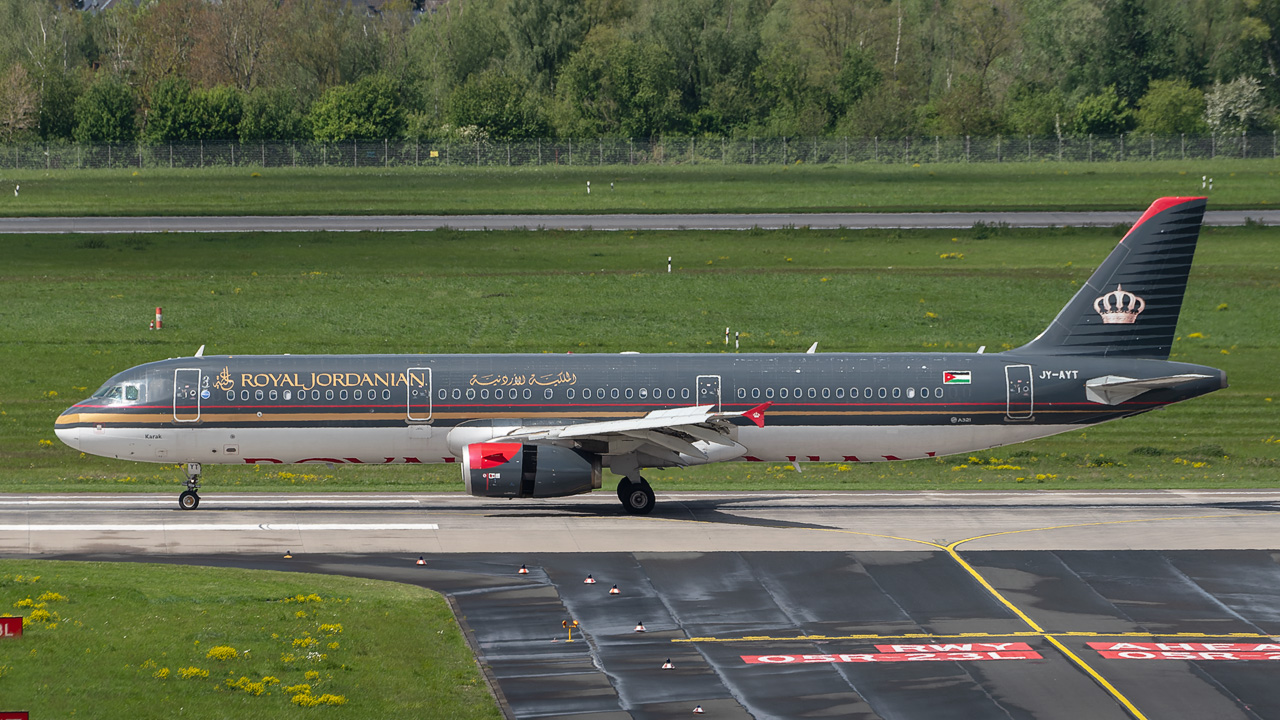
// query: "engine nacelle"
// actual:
[[510, 470]]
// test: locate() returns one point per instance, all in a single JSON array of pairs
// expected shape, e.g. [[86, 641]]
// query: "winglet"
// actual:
[[756, 414]]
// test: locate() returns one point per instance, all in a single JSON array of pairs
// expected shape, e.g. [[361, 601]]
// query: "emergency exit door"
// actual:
[[709, 391]]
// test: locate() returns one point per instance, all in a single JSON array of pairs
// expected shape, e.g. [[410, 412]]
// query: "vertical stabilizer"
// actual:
[[1130, 305]]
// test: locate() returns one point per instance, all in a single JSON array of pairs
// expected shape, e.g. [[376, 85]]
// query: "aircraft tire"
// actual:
[[188, 500], [639, 499], [624, 487]]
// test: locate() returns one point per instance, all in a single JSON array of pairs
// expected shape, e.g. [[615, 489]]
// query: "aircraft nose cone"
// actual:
[[68, 435]]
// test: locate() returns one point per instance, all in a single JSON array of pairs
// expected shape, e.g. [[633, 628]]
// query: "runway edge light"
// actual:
[[614, 590], [589, 581], [523, 570], [697, 710], [640, 626], [421, 560], [668, 665], [288, 554]]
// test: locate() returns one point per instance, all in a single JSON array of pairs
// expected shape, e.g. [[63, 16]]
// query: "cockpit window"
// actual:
[[118, 393], [130, 392]]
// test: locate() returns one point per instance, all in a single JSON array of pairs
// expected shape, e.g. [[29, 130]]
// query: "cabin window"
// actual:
[[684, 393], [328, 394], [897, 393], [853, 392], [528, 393], [547, 393], [484, 393], [657, 393], [272, 395], [768, 392], [671, 393], [497, 393], [755, 393], [342, 394], [244, 395], [457, 394], [813, 392], [130, 392], [826, 393], [443, 394], [257, 394], [614, 393], [644, 393], [782, 392], [883, 393], [911, 392], [359, 394], [568, 393], [231, 395], [471, 394], [386, 394], [866, 392], [839, 393], [924, 392], [798, 395], [288, 394], [742, 393], [629, 392], [937, 392]]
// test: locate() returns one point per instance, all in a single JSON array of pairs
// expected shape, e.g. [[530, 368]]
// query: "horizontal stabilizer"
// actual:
[[1115, 389]]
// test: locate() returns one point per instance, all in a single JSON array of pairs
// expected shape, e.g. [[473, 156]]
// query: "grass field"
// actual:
[[106, 640], [76, 311], [1239, 184]]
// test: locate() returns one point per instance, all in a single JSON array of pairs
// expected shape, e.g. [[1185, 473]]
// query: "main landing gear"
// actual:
[[190, 498], [637, 497]]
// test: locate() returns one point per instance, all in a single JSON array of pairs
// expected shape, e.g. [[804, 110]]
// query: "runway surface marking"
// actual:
[[961, 636], [1037, 630], [167, 527]]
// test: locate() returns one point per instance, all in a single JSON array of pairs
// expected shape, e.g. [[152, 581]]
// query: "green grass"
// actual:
[[76, 311], [1243, 184], [113, 640]]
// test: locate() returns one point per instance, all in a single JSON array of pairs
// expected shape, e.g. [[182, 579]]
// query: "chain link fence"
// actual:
[[669, 151]]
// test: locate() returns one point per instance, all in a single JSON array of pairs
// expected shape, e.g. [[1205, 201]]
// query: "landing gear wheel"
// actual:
[[639, 499], [624, 487], [188, 500]]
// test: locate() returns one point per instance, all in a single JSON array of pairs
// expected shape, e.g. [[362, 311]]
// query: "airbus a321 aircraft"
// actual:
[[545, 425]]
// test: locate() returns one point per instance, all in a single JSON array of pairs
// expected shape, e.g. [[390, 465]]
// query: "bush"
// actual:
[[106, 113]]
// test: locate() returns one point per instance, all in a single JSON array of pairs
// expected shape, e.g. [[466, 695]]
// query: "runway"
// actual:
[[1120, 604], [618, 222]]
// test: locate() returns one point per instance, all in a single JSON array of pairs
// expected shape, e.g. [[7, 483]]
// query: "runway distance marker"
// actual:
[[10, 627], [1271, 647], [1184, 655]]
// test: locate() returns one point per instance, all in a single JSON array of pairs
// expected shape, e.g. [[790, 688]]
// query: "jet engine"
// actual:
[[511, 470]]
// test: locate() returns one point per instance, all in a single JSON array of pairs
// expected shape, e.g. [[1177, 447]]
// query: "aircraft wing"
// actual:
[[1115, 389], [674, 430]]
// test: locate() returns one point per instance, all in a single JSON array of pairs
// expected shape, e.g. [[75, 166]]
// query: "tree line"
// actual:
[[159, 71]]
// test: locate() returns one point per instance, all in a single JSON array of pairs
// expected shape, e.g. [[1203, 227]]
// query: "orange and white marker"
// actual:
[[640, 626], [697, 710], [421, 561], [523, 570], [668, 665], [159, 319], [589, 581], [614, 590]]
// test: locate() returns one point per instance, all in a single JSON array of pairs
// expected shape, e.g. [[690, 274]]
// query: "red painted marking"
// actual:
[[252, 461], [962, 647], [1187, 646], [10, 627], [413, 460], [1165, 655], [334, 461], [890, 457], [756, 414], [813, 458], [890, 657], [852, 458], [930, 454], [449, 459], [1157, 207], [15, 715], [354, 460], [752, 458], [483, 456], [792, 458]]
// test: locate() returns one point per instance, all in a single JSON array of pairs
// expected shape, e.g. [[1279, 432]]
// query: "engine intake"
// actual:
[[511, 470]]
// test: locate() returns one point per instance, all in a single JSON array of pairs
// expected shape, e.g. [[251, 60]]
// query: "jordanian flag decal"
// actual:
[[956, 377]]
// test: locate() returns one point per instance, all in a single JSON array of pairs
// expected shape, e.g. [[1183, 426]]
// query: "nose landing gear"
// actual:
[[190, 498]]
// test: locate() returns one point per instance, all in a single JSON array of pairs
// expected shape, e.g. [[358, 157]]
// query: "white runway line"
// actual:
[[175, 527], [165, 502]]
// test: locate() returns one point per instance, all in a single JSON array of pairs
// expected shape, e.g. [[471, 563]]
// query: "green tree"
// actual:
[[369, 108], [613, 86], [1037, 111], [171, 117], [1171, 107], [58, 94], [106, 113], [543, 34], [270, 115], [1234, 107], [499, 105], [1104, 113], [217, 113]]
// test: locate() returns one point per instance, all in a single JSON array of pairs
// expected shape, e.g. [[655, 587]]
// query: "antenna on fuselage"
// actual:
[[982, 349], [200, 352], [812, 349]]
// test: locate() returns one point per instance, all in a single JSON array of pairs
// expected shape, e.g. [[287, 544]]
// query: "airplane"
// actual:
[[526, 425]]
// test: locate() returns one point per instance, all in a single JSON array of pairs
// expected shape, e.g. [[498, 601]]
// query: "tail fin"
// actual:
[[1129, 307]]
